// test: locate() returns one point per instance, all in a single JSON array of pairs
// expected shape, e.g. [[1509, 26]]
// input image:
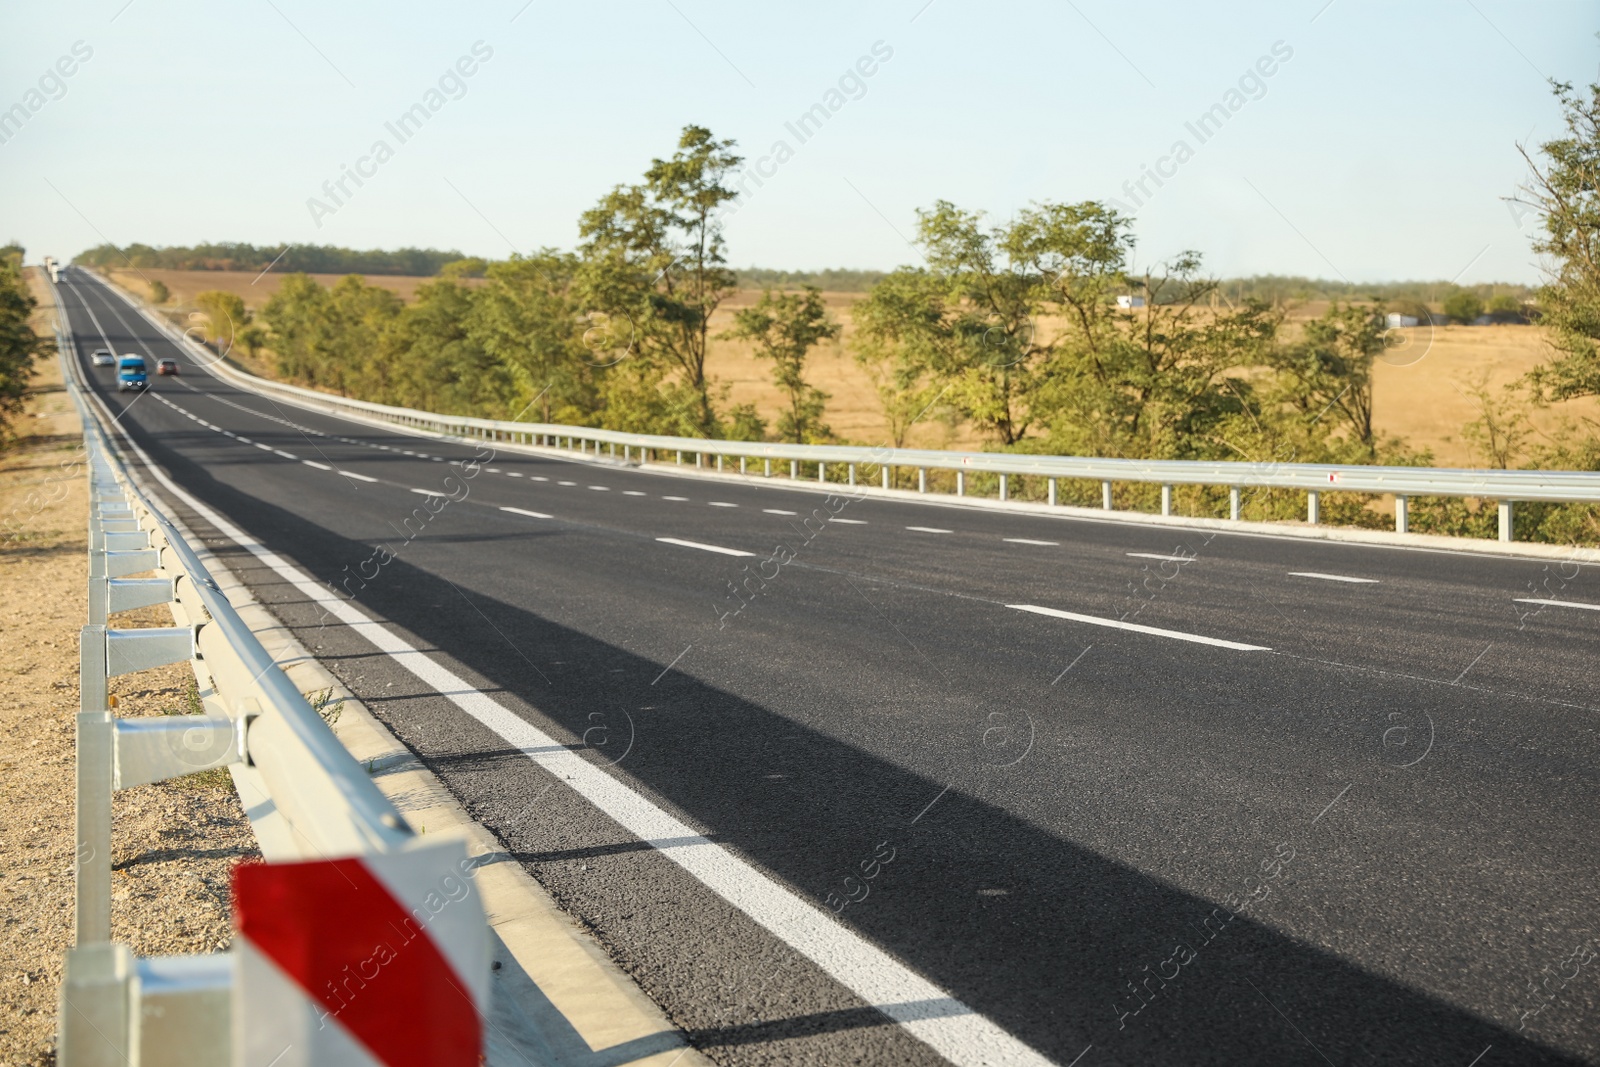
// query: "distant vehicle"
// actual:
[[103, 358], [166, 366], [130, 374]]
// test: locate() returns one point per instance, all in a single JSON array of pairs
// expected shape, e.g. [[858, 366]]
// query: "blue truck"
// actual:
[[131, 374]]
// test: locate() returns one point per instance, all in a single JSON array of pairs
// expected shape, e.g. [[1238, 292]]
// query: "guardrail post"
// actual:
[[1105, 496], [699, 459], [794, 470], [1053, 492], [822, 472], [1166, 500], [680, 457], [922, 479], [1233, 503], [95, 751], [767, 472], [852, 467], [719, 462], [1004, 485], [961, 483], [1313, 507], [886, 477], [1402, 515], [1507, 522], [741, 465]]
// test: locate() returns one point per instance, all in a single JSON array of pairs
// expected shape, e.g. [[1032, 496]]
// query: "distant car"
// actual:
[[103, 358], [131, 375], [166, 366]]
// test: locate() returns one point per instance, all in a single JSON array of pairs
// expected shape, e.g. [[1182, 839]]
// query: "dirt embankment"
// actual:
[[174, 843]]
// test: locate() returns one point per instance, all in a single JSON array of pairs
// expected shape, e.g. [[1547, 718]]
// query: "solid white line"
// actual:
[[1333, 577], [530, 514], [1117, 624], [357, 477], [948, 1026], [777, 511], [704, 547], [314, 463], [928, 529], [1028, 541], [1161, 556], [1559, 603]]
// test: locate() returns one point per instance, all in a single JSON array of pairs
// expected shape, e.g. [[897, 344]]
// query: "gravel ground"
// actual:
[[175, 843]]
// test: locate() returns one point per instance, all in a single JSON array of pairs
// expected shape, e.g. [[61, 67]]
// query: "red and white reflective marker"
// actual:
[[377, 959]]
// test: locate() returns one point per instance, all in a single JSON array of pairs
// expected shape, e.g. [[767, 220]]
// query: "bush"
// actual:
[[1463, 305], [159, 293]]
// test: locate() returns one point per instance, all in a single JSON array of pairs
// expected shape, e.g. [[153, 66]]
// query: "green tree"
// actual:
[[227, 313], [653, 255], [899, 329], [1503, 307], [1329, 372], [1463, 305], [19, 345], [1565, 190], [784, 327]]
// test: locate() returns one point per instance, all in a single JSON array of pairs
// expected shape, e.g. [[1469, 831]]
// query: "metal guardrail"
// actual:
[[316, 800], [1503, 486]]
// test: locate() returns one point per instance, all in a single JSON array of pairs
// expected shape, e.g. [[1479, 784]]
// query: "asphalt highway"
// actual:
[[1122, 794]]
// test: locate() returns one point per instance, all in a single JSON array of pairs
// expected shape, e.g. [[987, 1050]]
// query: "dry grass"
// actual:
[[1421, 392]]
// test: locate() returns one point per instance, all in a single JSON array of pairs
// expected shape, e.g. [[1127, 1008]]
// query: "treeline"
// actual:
[[615, 334], [833, 280], [19, 344], [309, 259], [1285, 288]]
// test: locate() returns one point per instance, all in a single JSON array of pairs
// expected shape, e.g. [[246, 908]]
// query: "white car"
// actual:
[[103, 358]]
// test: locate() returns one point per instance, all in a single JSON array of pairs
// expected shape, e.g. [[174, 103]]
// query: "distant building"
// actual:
[[1397, 320], [1130, 301]]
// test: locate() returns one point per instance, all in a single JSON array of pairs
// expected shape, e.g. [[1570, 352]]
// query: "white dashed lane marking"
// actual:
[[632, 492], [314, 463], [721, 504], [927, 529], [566, 483], [1559, 603], [1333, 577], [1154, 631], [530, 514], [1162, 556], [703, 547], [1028, 541], [357, 477], [678, 498], [429, 492], [777, 511], [851, 522], [601, 488]]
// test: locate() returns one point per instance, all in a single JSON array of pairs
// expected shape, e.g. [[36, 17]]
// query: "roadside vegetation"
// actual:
[[20, 344], [1033, 334]]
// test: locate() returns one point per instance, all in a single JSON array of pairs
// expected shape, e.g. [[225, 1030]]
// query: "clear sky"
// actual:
[[1379, 146]]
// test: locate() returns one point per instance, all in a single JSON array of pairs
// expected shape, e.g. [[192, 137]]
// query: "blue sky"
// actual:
[[1379, 148]]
